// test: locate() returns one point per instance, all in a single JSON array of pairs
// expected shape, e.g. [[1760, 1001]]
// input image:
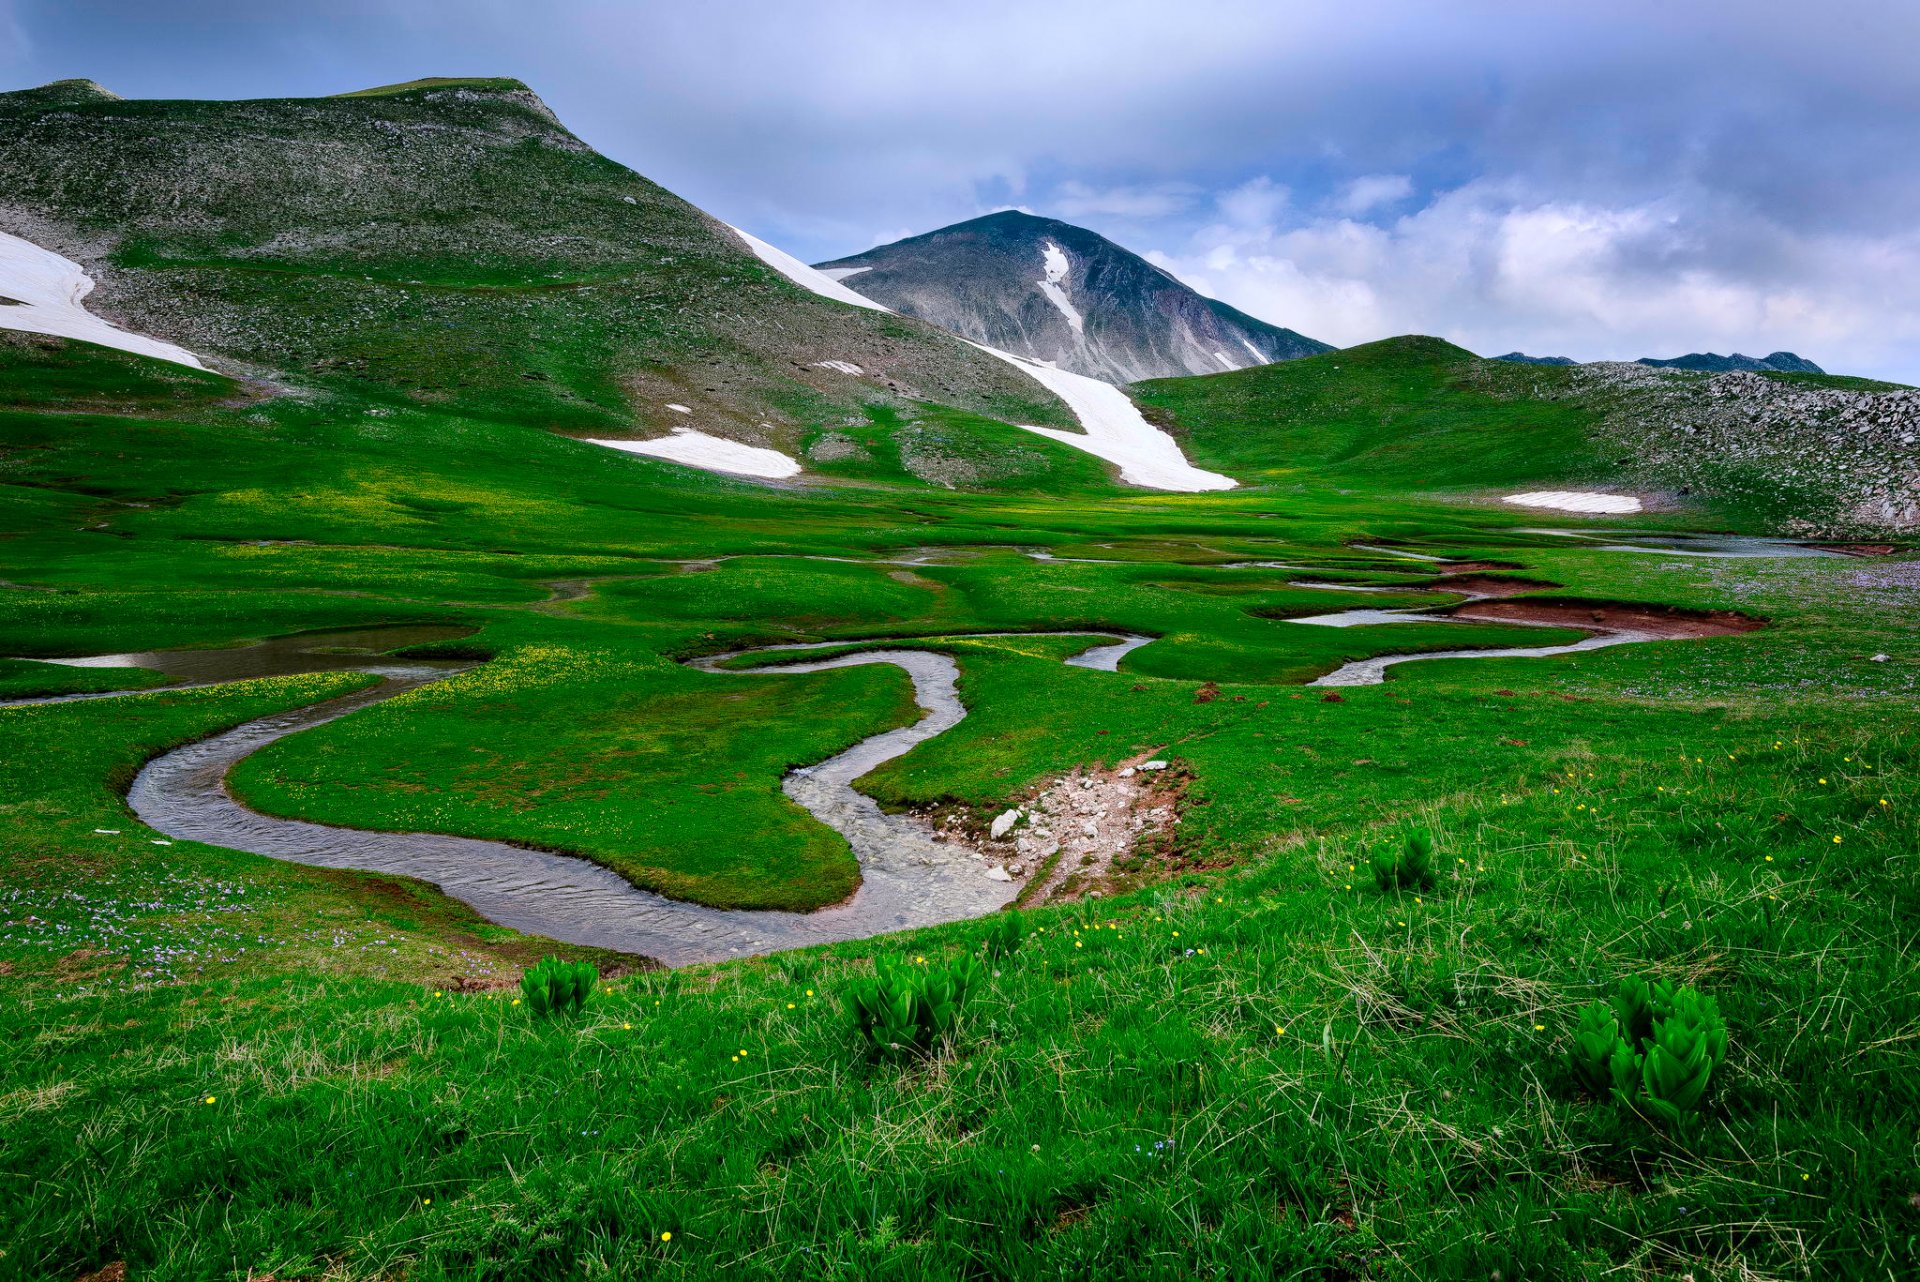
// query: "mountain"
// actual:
[[1054, 292], [449, 244], [1712, 363], [1704, 362], [1521, 358]]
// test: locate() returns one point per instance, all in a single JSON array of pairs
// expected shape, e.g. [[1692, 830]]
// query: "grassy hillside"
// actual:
[[1799, 453], [1234, 1052], [1242, 1052], [450, 244], [1407, 412]]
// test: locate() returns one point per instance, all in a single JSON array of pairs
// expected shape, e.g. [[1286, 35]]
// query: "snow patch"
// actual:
[[1575, 501], [1050, 285], [1257, 357], [1115, 430], [711, 453], [844, 367], [47, 290], [841, 273], [1222, 358], [678, 409], [809, 278]]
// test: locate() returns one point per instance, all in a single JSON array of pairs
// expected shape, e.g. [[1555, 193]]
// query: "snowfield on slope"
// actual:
[[1051, 285], [1115, 431], [692, 448], [43, 294], [1575, 501], [1113, 427], [811, 278]]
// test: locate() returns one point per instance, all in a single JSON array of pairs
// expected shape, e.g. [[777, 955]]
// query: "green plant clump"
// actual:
[[555, 987], [1407, 867], [1653, 1050], [1004, 937], [907, 1009]]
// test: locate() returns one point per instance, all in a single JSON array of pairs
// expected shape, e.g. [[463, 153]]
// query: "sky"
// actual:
[[1601, 180]]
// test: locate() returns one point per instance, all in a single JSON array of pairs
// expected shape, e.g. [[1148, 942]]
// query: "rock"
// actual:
[[1003, 824], [1088, 827], [1153, 765], [997, 873], [1126, 772], [1880, 658], [1017, 870]]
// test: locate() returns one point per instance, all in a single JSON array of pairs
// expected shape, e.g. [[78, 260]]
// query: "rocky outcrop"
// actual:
[[1850, 457]]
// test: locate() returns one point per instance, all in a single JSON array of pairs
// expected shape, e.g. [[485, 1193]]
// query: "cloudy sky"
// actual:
[[1597, 180]]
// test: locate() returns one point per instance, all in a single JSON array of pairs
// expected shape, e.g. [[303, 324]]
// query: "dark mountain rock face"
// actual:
[[1521, 358], [1055, 292], [1713, 363]]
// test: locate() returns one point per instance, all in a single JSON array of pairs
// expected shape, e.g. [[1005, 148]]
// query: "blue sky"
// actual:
[[1601, 180]]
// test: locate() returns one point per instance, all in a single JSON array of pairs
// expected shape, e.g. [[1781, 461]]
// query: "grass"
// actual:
[[1243, 1060]]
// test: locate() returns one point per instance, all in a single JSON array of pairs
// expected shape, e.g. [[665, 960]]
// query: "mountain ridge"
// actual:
[[1704, 362], [1055, 292]]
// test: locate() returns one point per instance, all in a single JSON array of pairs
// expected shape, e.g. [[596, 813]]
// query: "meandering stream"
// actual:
[[908, 879]]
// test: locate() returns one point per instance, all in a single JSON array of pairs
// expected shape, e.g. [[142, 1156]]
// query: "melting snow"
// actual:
[[46, 292], [1114, 428], [711, 453], [845, 367], [1258, 358], [804, 276], [1575, 501], [1222, 358], [1050, 285], [1115, 431]]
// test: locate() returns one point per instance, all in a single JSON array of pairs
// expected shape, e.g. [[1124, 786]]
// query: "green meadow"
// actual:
[[1243, 1059]]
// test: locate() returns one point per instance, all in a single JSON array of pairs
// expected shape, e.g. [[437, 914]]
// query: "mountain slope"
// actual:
[[1798, 453], [1051, 291], [449, 244]]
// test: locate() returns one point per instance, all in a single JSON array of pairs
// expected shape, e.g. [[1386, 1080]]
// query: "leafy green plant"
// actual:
[[906, 1009], [1004, 937], [555, 987], [1652, 1049], [1408, 866]]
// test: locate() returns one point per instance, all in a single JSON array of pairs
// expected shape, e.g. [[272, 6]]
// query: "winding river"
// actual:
[[908, 879]]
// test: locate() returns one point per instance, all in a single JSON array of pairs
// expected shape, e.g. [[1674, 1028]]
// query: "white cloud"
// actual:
[[1494, 266], [1074, 199], [1368, 193], [1254, 203]]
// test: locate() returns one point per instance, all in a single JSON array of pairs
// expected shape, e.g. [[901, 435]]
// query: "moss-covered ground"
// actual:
[[1247, 1062]]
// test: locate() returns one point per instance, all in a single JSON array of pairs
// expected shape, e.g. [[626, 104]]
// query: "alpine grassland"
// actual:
[[1596, 964]]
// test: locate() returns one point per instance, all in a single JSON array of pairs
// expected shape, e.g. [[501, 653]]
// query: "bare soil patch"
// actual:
[[1657, 620], [1489, 584]]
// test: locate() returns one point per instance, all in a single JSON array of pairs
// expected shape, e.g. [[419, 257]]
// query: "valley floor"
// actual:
[[1240, 1058]]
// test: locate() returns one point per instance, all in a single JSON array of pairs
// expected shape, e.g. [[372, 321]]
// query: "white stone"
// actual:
[[1003, 824], [1153, 765], [997, 873]]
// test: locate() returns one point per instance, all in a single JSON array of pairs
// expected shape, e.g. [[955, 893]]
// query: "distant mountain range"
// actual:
[[1708, 362], [1054, 292]]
